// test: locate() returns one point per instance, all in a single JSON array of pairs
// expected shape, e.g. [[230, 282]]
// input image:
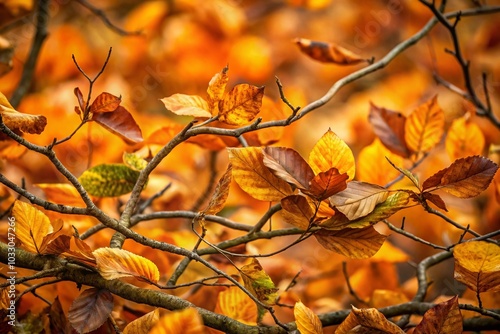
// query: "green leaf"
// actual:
[[258, 282], [134, 161], [109, 180]]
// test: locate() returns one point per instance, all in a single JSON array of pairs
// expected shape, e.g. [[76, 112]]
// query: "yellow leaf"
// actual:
[[424, 127], [373, 166], [370, 319], [143, 324], [236, 304], [134, 161], [15, 120], [464, 139], [187, 105], [216, 89], [241, 104], [187, 321], [254, 177], [307, 322], [114, 263], [332, 152], [477, 265], [32, 225], [62, 193], [258, 282]]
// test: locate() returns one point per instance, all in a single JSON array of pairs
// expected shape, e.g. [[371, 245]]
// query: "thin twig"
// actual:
[[349, 286]]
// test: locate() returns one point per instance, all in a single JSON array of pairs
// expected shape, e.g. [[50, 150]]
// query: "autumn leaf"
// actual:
[[187, 321], [32, 225], [288, 165], [114, 263], [81, 101], [143, 324], [328, 52], [332, 152], [307, 322], [109, 180], [359, 199], [241, 104], [464, 139], [17, 121], [355, 243], [134, 161], [254, 177], [187, 105], [389, 127], [216, 90], [370, 319], [477, 265], [297, 211], [424, 127], [62, 193], [435, 199], [328, 183], [220, 194], [444, 318], [90, 310], [237, 305], [121, 123], [104, 102], [412, 177], [58, 321], [258, 282], [78, 249], [464, 178]]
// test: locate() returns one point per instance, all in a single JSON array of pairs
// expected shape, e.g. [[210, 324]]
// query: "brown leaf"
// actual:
[[328, 52], [464, 178], [105, 102], [90, 310], [121, 123], [307, 322], [325, 184], [359, 199], [297, 211], [59, 324], [477, 265], [389, 127], [356, 243], [370, 319], [79, 97], [288, 165], [424, 127], [17, 121], [216, 89], [220, 194], [241, 104], [187, 105], [444, 318], [80, 251], [143, 324], [435, 199]]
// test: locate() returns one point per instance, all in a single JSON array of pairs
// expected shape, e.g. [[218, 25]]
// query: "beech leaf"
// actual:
[[258, 282], [435, 199], [328, 52], [187, 105], [464, 178], [220, 194], [359, 199], [90, 310], [307, 322], [114, 263], [216, 89], [187, 321], [241, 104], [297, 211], [143, 324], [444, 318], [254, 177], [121, 123], [32, 225], [370, 320], [79, 97], [134, 161], [237, 305], [477, 265], [328, 183], [372, 165], [109, 180], [17, 121], [62, 193], [413, 178], [464, 139], [104, 102]]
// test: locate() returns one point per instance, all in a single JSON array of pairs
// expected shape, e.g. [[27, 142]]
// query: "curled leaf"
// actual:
[[328, 52], [17, 121], [220, 194], [121, 123]]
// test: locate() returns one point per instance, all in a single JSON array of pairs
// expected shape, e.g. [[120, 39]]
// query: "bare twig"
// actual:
[[349, 286]]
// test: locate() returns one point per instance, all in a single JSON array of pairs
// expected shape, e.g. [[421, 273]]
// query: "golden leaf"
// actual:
[[216, 89], [241, 104], [187, 321], [62, 193], [372, 165], [464, 139], [332, 152], [237, 305], [114, 263], [17, 121], [143, 324], [297, 211], [32, 225], [187, 105], [307, 322]]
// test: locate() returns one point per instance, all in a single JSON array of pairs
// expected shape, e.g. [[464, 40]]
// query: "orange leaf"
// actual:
[[121, 123], [370, 319], [143, 324], [464, 139], [187, 321], [17, 121], [325, 184], [464, 178], [115, 263], [477, 265], [220, 194], [356, 243], [389, 126], [80, 251], [32, 225], [307, 322], [444, 318], [216, 89], [254, 177], [297, 211], [328, 52], [332, 152], [372, 165], [424, 127], [62, 193], [105, 102], [359, 199], [288, 165], [237, 305], [241, 104], [90, 310], [187, 105]]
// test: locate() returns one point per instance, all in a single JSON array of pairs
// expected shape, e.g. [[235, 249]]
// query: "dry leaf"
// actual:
[[187, 321], [464, 139], [32, 225], [104, 102], [143, 324], [216, 90], [444, 318], [187, 105], [297, 211], [328, 52], [121, 123], [90, 310], [220, 194], [328, 183], [307, 322], [237, 305], [241, 104], [17, 121]]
